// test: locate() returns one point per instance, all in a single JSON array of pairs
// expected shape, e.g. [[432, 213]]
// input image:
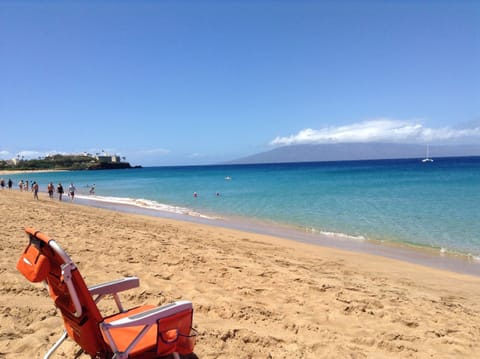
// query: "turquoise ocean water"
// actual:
[[433, 205]]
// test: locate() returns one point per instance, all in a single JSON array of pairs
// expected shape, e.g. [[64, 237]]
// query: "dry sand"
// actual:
[[254, 296]]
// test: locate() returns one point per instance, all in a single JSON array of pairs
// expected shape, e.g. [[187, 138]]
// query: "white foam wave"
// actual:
[[470, 257], [336, 234], [147, 204], [343, 235]]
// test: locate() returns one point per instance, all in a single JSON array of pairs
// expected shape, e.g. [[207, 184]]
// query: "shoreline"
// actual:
[[430, 257], [438, 258]]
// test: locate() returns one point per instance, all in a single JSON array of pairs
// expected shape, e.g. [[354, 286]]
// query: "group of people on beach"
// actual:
[[3, 183], [22, 186], [60, 191], [51, 189]]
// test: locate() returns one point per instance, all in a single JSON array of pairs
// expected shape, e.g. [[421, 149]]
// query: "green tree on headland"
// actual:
[[63, 162]]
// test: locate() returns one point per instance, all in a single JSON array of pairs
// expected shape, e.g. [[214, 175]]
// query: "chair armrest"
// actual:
[[114, 286], [150, 316]]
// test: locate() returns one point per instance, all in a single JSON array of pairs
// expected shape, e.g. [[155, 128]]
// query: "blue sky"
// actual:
[[200, 82]]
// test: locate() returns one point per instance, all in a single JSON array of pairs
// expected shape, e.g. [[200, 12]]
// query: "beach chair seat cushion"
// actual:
[[33, 264], [171, 334], [124, 336]]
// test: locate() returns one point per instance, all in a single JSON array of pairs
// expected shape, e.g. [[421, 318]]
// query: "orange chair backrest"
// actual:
[[40, 262]]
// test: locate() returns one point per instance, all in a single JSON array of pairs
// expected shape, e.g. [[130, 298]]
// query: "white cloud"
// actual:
[[379, 130], [28, 154], [4, 154]]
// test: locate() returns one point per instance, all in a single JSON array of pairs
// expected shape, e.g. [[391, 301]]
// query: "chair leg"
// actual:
[[56, 345]]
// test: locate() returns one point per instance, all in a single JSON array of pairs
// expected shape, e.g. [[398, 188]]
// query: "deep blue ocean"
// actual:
[[433, 205]]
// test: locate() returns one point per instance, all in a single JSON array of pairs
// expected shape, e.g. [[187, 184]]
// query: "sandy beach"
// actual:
[[254, 296], [5, 173]]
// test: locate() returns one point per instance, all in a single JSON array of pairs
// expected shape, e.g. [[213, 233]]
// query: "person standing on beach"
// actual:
[[10, 183], [50, 190], [71, 191], [60, 191], [20, 185], [35, 190], [2, 183]]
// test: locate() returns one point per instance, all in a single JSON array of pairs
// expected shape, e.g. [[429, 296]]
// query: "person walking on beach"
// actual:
[[35, 190], [60, 191], [20, 185], [50, 190], [71, 191]]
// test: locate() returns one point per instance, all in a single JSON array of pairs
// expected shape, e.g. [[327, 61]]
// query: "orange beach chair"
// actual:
[[141, 332]]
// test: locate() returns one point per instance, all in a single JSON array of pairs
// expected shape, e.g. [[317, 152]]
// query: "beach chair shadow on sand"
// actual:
[[144, 332]]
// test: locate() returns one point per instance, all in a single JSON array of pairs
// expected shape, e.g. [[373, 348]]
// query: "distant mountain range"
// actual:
[[356, 151]]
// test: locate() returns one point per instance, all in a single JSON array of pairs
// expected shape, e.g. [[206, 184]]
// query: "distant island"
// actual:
[[84, 161], [355, 152]]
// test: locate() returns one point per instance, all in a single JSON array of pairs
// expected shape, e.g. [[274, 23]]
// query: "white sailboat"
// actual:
[[427, 159]]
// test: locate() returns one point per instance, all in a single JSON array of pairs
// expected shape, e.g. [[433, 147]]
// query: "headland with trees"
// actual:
[[83, 161]]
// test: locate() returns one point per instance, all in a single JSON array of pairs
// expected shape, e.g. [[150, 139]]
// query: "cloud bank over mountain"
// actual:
[[355, 152], [381, 130]]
